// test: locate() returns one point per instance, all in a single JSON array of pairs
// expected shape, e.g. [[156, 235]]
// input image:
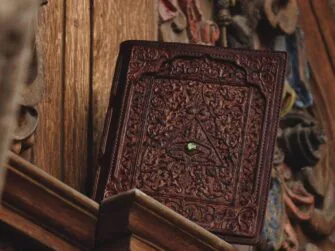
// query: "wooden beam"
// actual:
[[58, 217], [23, 226], [48, 206], [144, 222]]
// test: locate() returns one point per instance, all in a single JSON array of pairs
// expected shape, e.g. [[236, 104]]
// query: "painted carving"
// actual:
[[173, 22], [183, 21], [224, 19], [301, 140], [282, 14], [299, 75], [301, 200]]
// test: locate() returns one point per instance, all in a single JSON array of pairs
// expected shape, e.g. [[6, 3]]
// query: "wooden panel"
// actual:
[[47, 149], [114, 22], [77, 85], [76, 92]]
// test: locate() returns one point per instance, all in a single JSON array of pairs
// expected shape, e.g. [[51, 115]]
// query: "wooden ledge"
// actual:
[[60, 218], [64, 219], [143, 223], [52, 184]]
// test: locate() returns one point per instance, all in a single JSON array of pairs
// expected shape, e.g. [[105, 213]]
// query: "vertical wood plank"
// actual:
[[113, 22], [76, 92], [47, 148]]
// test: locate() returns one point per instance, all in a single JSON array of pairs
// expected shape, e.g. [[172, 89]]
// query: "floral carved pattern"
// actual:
[[191, 136], [189, 111]]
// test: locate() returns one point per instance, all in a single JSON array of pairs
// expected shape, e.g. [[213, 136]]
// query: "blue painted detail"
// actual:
[[273, 224], [304, 96]]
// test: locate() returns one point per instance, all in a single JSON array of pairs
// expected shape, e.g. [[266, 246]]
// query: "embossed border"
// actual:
[[245, 58]]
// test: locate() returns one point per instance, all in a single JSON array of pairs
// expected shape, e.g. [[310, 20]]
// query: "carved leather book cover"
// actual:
[[194, 127]]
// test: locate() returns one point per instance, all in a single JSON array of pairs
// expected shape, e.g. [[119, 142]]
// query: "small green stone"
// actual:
[[191, 146]]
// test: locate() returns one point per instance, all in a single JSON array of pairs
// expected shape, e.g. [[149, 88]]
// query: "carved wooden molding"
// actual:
[[143, 221], [40, 207], [46, 209]]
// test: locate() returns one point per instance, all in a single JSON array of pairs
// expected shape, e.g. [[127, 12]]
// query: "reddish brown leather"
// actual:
[[225, 102]]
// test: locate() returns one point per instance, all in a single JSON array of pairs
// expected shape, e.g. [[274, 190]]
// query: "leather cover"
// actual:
[[194, 127]]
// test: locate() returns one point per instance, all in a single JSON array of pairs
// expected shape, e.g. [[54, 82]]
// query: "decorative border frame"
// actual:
[[265, 70]]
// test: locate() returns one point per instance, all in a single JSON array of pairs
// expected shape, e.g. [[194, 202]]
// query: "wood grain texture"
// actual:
[[79, 61], [114, 21], [48, 144], [40, 201], [76, 92]]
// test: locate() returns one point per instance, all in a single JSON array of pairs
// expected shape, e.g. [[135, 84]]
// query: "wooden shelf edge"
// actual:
[[135, 213], [61, 218], [49, 204], [52, 183]]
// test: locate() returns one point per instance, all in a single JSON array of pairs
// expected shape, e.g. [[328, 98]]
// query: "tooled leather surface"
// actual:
[[222, 104]]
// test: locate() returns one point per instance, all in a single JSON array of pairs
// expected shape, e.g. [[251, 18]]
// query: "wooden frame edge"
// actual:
[[49, 204], [144, 217]]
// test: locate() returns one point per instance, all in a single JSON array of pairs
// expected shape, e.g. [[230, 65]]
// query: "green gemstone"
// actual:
[[191, 146]]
